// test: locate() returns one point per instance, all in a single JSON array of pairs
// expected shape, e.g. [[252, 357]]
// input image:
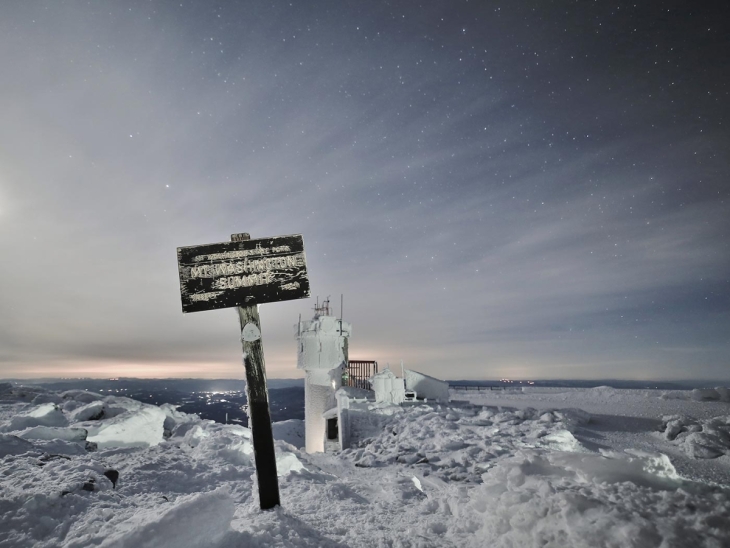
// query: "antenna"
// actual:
[[341, 313], [323, 309]]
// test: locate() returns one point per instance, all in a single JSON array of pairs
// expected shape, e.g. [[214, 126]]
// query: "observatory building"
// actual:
[[322, 354], [338, 393]]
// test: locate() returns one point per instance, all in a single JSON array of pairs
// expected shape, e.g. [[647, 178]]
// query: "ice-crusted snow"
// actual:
[[700, 438], [553, 469]]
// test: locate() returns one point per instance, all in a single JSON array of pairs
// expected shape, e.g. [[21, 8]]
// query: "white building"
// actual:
[[322, 354], [331, 411]]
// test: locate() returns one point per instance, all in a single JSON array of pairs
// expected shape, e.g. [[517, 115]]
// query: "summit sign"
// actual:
[[245, 273], [242, 273]]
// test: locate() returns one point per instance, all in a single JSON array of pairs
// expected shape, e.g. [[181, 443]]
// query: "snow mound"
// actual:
[[233, 444], [559, 499], [175, 476], [140, 427], [13, 445], [89, 412], [720, 393], [200, 519], [699, 438], [54, 433], [46, 414], [291, 432], [457, 443]]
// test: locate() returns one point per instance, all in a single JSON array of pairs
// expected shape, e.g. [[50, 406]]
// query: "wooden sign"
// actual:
[[242, 273]]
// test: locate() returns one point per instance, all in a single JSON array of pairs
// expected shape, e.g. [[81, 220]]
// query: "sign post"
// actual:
[[245, 273]]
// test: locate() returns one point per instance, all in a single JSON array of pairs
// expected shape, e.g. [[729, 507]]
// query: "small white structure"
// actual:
[[322, 353], [388, 388], [426, 387]]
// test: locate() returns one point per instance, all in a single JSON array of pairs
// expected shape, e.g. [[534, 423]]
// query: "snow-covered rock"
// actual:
[[699, 438], [89, 412], [45, 414], [138, 427]]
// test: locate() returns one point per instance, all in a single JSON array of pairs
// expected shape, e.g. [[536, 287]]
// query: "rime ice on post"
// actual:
[[322, 353]]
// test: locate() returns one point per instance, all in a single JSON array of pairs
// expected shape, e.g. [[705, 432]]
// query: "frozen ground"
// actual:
[[554, 468]]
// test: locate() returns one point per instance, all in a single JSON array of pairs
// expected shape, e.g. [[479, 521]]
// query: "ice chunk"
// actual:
[[136, 428], [562, 440], [54, 433], [13, 445], [89, 412], [46, 414]]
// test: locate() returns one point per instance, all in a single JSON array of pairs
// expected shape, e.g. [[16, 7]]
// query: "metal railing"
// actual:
[[359, 373], [474, 387]]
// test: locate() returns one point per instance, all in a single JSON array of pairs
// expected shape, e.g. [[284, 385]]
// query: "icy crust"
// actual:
[[613, 500], [456, 443], [699, 438], [479, 476]]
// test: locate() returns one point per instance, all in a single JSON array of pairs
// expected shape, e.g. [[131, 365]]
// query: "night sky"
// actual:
[[499, 189]]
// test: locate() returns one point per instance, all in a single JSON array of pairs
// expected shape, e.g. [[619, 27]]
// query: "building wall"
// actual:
[[343, 419]]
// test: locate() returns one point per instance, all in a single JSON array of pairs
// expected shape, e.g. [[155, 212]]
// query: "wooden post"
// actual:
[[243, 273], [258, 402]]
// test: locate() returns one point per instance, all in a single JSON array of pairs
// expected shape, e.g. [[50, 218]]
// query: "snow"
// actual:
[[137, 427], [387, 387], [425, 386], [291, 431], [45, 414], [700, 438], [558, 468], [200, 519]]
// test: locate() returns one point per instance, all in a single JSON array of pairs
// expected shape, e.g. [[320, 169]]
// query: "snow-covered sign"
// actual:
[[242, 273]]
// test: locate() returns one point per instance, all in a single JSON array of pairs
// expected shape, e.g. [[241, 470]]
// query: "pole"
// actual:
[[259, 416]]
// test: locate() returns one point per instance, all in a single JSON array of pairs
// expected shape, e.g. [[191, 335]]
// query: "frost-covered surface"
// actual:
[[699, 438], [532, 474], [425, 386]]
